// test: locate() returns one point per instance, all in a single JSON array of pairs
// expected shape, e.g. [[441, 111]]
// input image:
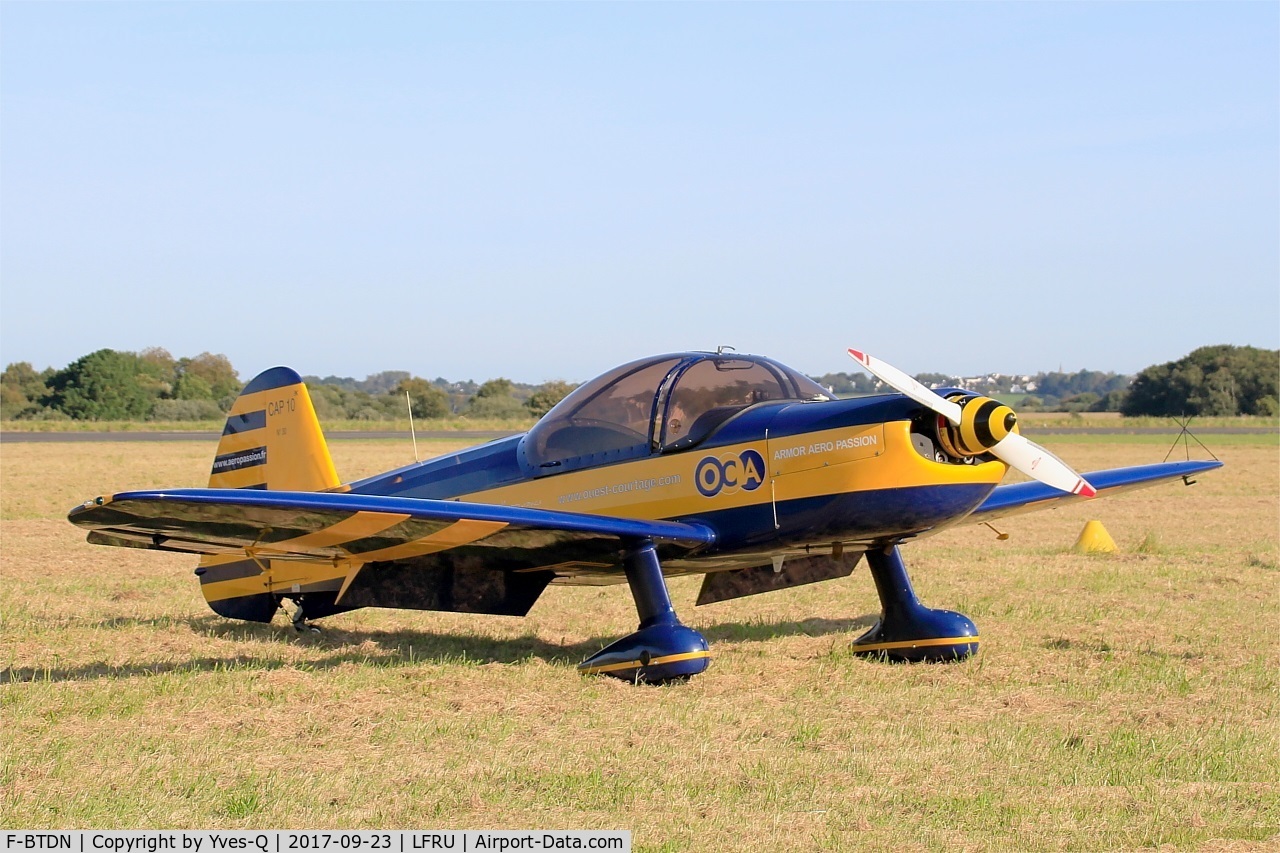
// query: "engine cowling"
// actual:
[[984, 422]]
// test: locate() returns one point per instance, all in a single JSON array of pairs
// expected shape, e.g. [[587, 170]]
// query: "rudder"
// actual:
[[272, 440]]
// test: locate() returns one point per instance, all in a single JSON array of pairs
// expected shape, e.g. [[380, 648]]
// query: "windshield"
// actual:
[[713, 390], [668, 402], [608, 418]]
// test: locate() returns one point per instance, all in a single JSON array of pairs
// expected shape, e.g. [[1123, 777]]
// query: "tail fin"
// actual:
[[272, 439]]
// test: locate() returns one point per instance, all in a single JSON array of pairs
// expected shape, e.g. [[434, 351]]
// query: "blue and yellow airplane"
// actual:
[[729, 465]]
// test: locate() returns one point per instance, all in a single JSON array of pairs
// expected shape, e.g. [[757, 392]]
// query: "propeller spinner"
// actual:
[[969, 426]]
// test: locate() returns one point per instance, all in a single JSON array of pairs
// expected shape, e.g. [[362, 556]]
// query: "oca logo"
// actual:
[[729, 473]]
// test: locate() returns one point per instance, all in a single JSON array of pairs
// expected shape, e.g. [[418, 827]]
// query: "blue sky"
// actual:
[[545, 190]]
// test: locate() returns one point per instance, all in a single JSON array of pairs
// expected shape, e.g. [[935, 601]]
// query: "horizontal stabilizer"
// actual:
[[1031, 496]]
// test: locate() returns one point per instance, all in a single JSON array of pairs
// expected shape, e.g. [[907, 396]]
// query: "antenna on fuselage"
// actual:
[[722, 349], [408, 402]]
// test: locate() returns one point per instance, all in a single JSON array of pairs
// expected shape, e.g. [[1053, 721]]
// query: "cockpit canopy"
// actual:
[[662, 403]]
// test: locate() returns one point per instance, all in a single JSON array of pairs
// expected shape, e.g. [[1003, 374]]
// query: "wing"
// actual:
[[343, 551], [1029, 497], [281, 525]]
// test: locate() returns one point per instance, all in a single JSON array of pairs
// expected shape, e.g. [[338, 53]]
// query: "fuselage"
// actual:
[[775, 477]]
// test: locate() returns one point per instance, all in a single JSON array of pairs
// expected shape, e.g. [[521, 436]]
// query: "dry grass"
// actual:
[[1120, 702]]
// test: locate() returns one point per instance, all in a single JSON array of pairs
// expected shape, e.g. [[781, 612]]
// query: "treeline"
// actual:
[[1220, 380], [1085, 390], [153, 385], [111, 385], [381, 396], [1216, 380]]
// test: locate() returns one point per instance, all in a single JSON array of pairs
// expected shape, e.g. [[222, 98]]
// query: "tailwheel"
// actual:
[[299, 619], [907, 630], [662, 649]]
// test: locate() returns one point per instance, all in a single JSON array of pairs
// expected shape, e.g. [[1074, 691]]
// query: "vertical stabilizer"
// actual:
[[272, 439]]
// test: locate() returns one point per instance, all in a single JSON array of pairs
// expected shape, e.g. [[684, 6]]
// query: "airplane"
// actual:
[[729, 465]]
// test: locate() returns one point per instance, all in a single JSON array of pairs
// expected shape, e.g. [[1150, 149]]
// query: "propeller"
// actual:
[[969, 426]]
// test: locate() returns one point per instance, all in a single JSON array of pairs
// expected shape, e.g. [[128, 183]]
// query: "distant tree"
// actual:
[[215, 370], [930, 380], [1213, 380], [14, 404], [495, 388], [428, 400], [346, 382], [104, 385], [546, 396], [186, 410], [837, 383], [493, 399], [1082, 382], [1218, 394], [1080, 402], [466, 386], [846, 384], [1112, 401], [500, 408], [159, 371], [384, 382], [327, 400], [23, 377], [158, 357], [21, 390], [192, 386]]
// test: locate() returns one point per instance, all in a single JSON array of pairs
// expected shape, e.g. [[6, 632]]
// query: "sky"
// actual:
[[543, 190]]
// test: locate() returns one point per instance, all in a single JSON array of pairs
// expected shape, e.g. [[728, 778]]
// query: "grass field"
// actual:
[[1120, 702]]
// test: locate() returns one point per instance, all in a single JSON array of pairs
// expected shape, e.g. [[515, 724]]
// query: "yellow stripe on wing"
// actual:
[[291, 573], [208, 561], [342, 569], [358, 526], [459, 533]]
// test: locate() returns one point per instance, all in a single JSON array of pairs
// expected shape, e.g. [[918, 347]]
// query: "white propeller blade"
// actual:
[[1039, 464], [901, 382], [1013, 450]]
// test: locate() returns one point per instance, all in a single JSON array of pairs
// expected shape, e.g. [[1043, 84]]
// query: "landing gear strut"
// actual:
[[663, 649], [907, 630]]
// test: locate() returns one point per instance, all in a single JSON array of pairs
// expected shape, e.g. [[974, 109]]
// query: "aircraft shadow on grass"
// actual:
[[393, 648]]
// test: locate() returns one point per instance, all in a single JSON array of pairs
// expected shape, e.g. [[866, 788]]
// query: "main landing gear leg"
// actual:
[[907, 630], [662, 649]]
